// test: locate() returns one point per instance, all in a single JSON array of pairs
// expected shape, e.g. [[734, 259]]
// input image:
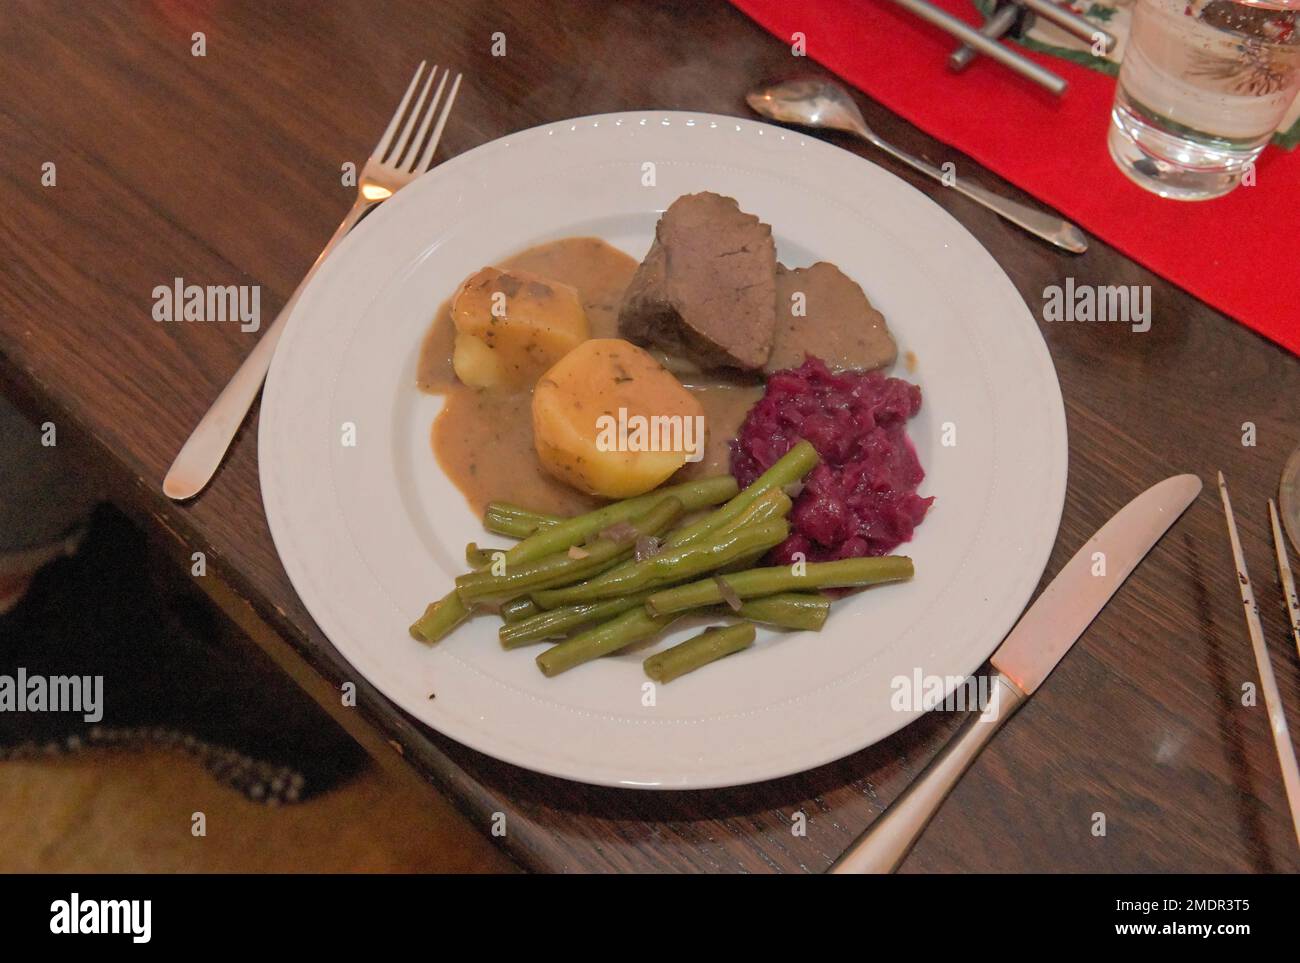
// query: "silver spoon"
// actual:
[[820, 103]]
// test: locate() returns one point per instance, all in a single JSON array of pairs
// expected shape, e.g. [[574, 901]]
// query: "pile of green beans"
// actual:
[[790, 610], [574, 581], [562, 568], [761, 500], [449, 611], [672, 565]]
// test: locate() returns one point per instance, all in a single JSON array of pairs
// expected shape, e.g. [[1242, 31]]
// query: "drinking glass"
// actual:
[[1201, 90]]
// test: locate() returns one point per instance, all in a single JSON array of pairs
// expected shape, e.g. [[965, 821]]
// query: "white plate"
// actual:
[[369, 534]]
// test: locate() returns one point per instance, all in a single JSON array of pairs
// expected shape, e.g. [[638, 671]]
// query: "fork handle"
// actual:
[[204, 450]]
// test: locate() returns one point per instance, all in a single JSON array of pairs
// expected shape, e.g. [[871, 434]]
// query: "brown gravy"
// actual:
[[483, 439]]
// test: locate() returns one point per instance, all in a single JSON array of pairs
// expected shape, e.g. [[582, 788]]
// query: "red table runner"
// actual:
[[1239, 253]]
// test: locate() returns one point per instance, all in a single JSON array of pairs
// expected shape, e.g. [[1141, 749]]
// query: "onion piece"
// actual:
[[577, 551], [647, 546], [728, 594], [619, 532]]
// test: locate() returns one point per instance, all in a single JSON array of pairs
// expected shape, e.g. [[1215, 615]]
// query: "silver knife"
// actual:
[[1038, 642]]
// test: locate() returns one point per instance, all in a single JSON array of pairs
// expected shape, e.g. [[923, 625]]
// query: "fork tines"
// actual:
[[401, 155]]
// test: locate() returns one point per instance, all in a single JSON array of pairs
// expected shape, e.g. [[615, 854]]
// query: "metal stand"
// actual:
[[1009, 16]]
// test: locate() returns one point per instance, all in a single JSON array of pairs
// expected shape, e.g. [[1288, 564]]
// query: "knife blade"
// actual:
[[1024, 659], [1087, 581]]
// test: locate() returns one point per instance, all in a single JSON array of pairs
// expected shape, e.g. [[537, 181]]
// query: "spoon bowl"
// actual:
[[811, 103]]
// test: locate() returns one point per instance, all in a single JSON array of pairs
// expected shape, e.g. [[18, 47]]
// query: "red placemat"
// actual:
[[1239, 253]]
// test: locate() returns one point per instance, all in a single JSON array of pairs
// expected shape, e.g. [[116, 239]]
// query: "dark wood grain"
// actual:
[[225, 169]]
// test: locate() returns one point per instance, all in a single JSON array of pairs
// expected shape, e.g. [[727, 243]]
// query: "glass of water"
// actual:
[[1202, 88]]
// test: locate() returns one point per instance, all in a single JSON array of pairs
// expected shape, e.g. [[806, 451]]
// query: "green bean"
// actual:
[[757, 582], [672, 565], [742, 564], [506, 519], [708, 646], [762, 499], [773, 503], [450, 611], [790, 610], [696, 494], [477, 557], [557, 623], [618, 633], [789, 468], [770, 504], [563, 567], [518, 609], [440, 618]]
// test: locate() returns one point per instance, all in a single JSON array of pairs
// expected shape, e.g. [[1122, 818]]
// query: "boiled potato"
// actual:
[[513, 325], [603, 409]]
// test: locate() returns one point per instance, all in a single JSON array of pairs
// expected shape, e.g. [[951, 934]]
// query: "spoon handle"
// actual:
[[1049, 227]]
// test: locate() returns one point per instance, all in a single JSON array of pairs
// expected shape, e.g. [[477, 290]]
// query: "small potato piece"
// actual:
[[610, 420], [513, 325]]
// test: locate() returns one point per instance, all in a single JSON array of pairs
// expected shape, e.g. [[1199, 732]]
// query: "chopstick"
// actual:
[[1267, 682], [1284, 574]]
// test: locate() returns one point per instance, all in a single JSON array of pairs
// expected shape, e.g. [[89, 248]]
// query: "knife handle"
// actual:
[[887, 841]]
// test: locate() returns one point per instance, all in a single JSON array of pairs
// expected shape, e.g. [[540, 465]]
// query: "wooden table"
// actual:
[[226, 169]]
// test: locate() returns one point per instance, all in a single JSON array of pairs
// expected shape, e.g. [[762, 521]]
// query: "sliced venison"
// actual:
[[706, 290], [838, 323]]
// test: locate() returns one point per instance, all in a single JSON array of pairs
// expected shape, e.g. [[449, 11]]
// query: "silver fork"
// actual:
[[391, 166]]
